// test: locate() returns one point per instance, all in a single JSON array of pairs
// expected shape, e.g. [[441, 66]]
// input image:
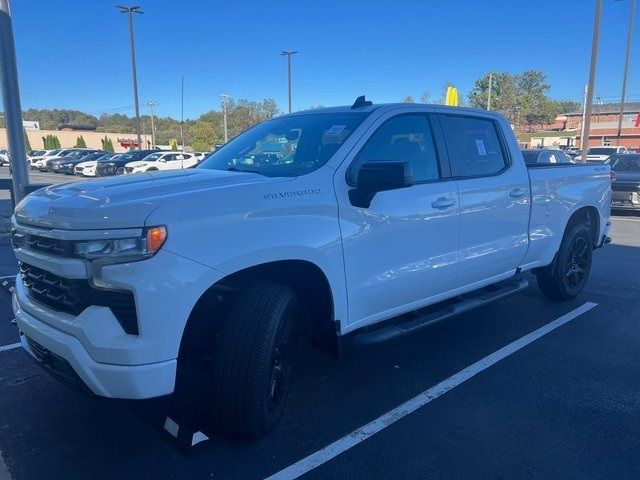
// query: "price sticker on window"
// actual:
[[480, 146]]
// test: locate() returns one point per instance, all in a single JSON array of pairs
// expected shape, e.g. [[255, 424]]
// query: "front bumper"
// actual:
[[112, 381], [110, 362]]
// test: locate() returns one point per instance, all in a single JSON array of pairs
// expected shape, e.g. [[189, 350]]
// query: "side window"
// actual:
[[473, 145], [402, 138], [168, 157]]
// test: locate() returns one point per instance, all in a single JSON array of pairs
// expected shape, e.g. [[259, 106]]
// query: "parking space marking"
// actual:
[[4, 348], [363, 433]]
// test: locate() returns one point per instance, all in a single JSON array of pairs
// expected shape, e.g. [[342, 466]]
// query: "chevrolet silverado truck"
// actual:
[[360, 223]]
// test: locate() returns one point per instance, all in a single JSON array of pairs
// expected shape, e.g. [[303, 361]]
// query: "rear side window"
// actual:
[[474, 146], [403, 138]]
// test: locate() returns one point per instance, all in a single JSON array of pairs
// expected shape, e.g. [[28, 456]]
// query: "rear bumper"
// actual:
[[66, 359]]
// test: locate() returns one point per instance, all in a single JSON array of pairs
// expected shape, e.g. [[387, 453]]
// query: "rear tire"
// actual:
[[565, 278], [253, 361], [120, 171]]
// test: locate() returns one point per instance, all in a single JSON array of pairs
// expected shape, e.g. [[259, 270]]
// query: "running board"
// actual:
[[466, 303]]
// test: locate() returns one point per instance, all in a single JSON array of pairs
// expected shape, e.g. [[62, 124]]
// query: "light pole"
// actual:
[[224, 97], [489, 94], [592, 81], [130, 11], [632, 14], [289, 53], [152, 104], [11, 102]]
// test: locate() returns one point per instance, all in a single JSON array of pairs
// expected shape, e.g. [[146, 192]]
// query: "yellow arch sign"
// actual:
[[452, 97]]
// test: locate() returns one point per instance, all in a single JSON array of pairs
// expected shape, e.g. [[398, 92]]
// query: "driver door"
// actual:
[[401, 252]]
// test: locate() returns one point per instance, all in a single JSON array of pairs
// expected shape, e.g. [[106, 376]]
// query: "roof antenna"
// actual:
[[361, 102]]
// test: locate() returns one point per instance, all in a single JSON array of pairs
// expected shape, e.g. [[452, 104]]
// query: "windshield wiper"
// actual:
[[236, 169]]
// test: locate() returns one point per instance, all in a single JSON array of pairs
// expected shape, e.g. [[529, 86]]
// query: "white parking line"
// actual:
[[361, 434], [4, 348]]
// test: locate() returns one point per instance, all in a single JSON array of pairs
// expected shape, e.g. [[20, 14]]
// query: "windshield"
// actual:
[[286, 146], [53, 152], [624, 163], [133, 155], [153, 157], [601, 151]]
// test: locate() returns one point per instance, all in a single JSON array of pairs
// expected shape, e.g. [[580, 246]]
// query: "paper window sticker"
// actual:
[[480, 146]]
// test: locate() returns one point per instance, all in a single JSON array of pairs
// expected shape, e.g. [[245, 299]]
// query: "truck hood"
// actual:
[[123, 201]]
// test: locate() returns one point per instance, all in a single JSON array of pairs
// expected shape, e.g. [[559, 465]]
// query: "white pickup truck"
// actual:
[[365, 223]]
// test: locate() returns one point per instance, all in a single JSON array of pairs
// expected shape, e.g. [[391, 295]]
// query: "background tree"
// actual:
[[27, 144], [409, 99], [107, 144], [203, 136], [425, 97], [522, 98], [80, 143]]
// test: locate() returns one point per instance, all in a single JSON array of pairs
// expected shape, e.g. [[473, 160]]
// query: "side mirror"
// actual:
[[374, 177]]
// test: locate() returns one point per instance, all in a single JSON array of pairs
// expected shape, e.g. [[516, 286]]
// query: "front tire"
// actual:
[[565, 278], [120, 171], [253, 361]]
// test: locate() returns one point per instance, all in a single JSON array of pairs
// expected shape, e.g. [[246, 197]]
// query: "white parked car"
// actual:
[[4, 157], [328, 223], [35, 154], [43, 163], [601, 153], [162, 161], [88, 169]]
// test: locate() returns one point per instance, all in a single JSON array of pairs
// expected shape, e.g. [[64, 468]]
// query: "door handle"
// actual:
[[518, 192], [443, 203]]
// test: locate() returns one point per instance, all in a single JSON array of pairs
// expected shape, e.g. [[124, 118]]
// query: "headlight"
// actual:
[[68, 164], [109, 164], [124, 249], [140, 165]]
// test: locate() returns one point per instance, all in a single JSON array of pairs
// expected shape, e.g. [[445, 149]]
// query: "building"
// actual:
[[121, 141], [604, 125]]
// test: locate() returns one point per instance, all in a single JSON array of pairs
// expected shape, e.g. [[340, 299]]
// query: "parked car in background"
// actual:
[[625, 181], [115, 166], [572, 152], [545, 156], [67, 163], [162, 161], [87, 168], [43, 163], [601, 153], [4, 157], [33, 154]]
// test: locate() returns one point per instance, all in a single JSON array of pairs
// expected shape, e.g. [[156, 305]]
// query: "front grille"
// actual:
[[74, 296], [128, 169], [52, 246]]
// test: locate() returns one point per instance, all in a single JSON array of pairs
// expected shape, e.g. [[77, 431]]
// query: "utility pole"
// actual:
[[11, 102], [289, 53], [152, 104], [584, 109], [632, 14], [130, 11], [182, 118], [489, 95], [586, 125], [224, 97]]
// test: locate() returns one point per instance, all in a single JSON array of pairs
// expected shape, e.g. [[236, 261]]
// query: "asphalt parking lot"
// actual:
[[564, 405]]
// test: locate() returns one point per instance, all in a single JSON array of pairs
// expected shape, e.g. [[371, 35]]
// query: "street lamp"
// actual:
[[152, 104], [289, 53], [223, 97], [130, 11], [632, 13]]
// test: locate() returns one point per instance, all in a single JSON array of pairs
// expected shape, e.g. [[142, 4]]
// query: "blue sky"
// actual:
[[75, 53]]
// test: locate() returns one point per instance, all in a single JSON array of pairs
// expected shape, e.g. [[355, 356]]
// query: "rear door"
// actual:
[[494, 197]]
